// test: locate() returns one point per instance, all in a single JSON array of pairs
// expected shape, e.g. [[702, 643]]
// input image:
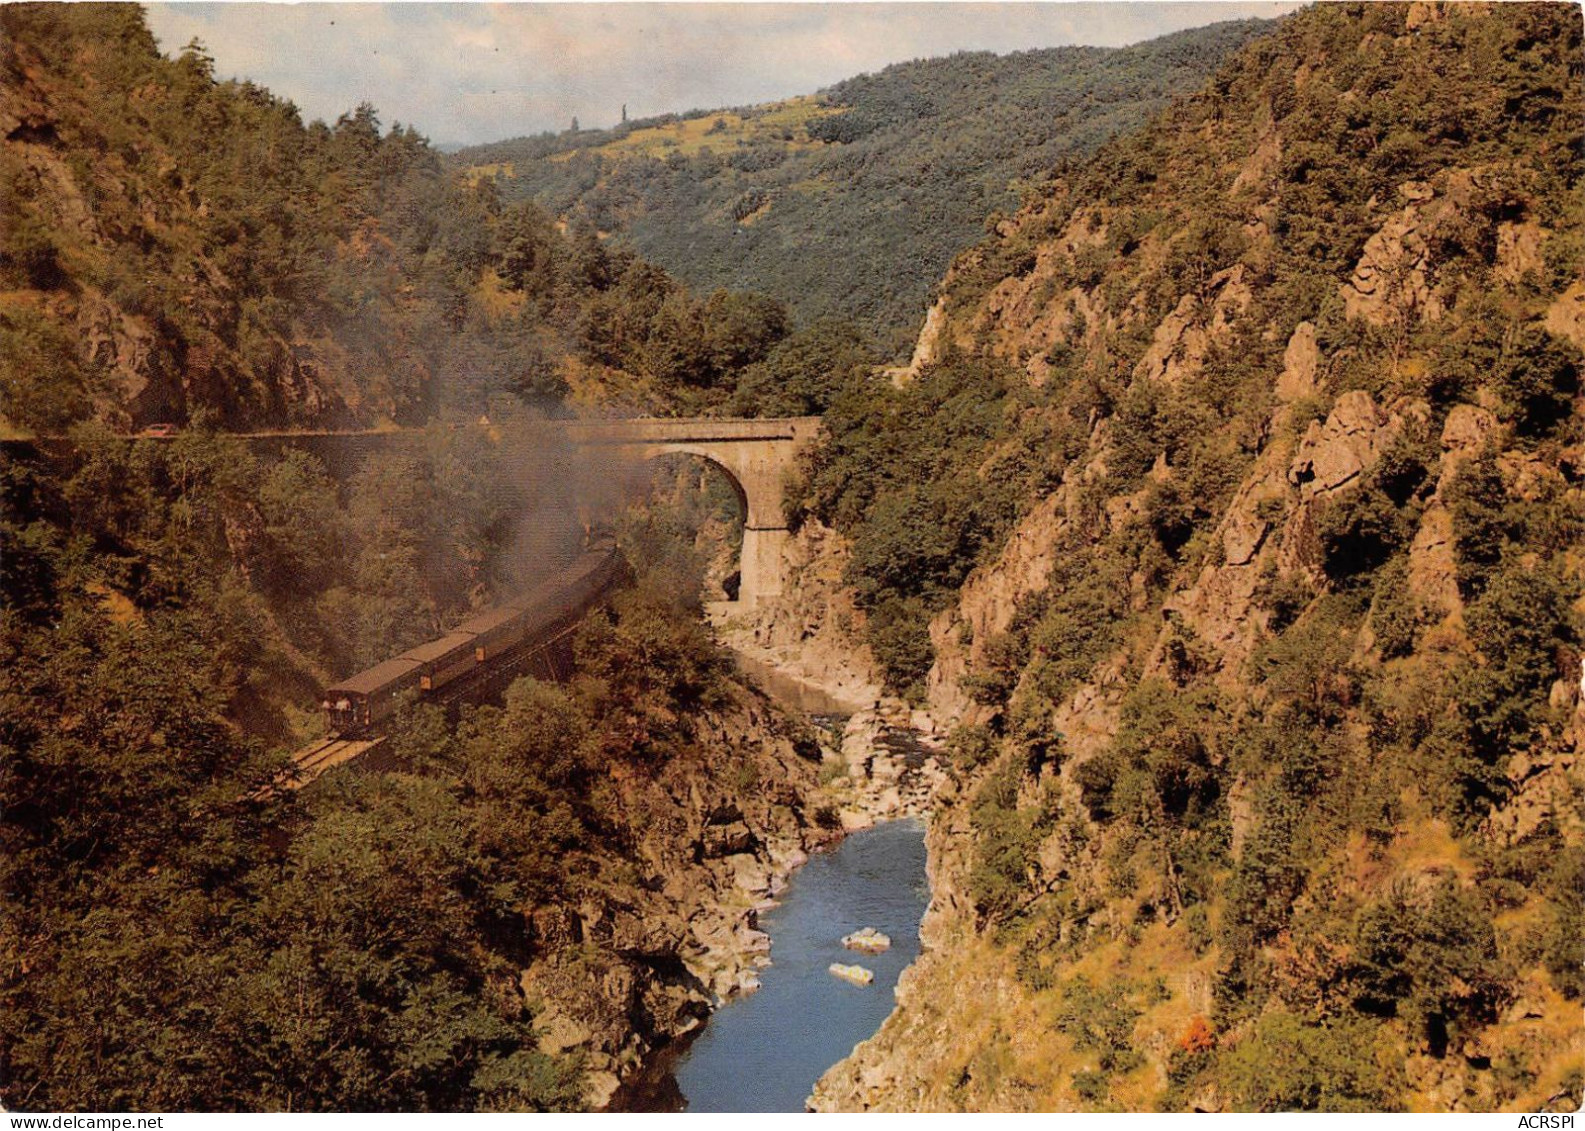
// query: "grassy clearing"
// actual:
[[476, 173], [783, 122]]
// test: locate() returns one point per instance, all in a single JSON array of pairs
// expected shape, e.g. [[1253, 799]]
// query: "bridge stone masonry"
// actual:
[[756, 456]]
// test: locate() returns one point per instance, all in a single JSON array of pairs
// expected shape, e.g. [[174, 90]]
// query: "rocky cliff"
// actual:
[[1266, 792], [666, 929]]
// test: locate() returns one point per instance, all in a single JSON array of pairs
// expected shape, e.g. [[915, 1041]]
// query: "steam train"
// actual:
[[537, 616]]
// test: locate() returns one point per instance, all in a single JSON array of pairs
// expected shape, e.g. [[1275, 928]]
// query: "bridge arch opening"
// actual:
[[711, 508], [756, 453]]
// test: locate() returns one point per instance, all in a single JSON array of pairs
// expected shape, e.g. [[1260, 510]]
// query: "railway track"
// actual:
[[317, 757], [314, 760]]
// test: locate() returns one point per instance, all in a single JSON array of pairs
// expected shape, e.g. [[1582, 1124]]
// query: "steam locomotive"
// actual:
[[539, 615]]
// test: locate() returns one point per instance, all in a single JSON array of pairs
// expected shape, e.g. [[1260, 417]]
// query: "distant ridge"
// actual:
[[852, 202]]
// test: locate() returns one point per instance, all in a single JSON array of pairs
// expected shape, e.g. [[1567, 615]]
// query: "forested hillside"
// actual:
[[175, 937], [1235, 518], [172, 245], [852, 202], [544, 889]]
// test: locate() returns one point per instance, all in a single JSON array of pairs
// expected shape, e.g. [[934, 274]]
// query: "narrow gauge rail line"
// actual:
[[314, 759]]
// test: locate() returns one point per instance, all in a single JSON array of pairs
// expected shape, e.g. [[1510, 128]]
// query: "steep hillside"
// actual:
[[852, 202], [172, 246], [527, 904], [539, 892], [1239, 485]]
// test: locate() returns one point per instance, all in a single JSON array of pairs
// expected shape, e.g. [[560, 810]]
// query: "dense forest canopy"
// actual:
[[175, 244], [850, 204]]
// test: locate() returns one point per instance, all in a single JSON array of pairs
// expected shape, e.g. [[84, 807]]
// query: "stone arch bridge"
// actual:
[[755, 455]]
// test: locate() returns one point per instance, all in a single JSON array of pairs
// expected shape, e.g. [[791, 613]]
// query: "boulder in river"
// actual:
[[855, 974], [869, 940]]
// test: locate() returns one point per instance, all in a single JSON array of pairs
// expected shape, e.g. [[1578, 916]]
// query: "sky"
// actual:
[[465, 73]]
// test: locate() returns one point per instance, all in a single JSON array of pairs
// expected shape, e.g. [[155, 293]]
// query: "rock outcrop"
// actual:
[[635, 965], [813, 633], [1336, 544], [869, 940], [858, 975]]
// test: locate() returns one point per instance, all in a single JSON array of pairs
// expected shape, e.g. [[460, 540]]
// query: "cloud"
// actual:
[[480, 72]]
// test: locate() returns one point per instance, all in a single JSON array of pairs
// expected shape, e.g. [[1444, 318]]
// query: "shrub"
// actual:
[[1102, 1019], [1434, 961], [1519, 623], [1359, 532], [1537, 380], [899, 634], [1483, 524], [1393, 612], [971, 746], [1563, 942], [1287, 1065], [1006, 839]]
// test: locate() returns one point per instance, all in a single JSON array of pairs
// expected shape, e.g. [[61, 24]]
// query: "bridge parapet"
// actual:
[[692, 430]]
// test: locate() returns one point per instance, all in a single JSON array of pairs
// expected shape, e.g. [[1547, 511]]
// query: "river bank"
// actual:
[[875, 769], [765, 1051]]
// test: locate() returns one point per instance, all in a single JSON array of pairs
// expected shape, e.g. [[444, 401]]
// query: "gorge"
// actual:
[[1209, 583]]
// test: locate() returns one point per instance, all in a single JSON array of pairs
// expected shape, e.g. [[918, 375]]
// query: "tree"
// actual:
[[740, 329], [1435, 961]]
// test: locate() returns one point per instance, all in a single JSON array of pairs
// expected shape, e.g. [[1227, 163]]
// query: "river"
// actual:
[[765, 1052]]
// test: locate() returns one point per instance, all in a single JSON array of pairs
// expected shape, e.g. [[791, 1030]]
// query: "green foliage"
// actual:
[[1536, 380], [628, 314], [1360, 531], [801, 374], [1433, 961], [1153, 419], [1521, 624], [1483, 521], [1081, 619], [1101, 1019], [44, 383], [971, 746], [861, 202], [1308, 664], [1269, 875], [1563, 943], [1287, 1065], [650, 671], [1169, 734], [912, 476], [1286, 596], [1394, 613], [1006, 838], [359, 995], [159, 598]]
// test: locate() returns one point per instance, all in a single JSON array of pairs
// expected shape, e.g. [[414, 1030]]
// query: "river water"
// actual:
[[765, 1052]]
